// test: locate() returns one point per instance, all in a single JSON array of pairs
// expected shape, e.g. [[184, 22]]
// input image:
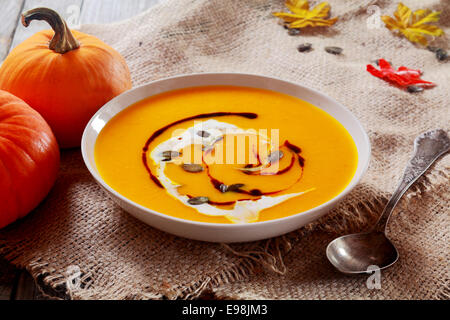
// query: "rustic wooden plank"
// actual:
[[68, 9], [7, 278], [9, 14], [107, 11]]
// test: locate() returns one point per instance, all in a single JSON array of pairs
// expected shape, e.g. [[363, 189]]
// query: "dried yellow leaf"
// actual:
[[301, 16], [413, 25]]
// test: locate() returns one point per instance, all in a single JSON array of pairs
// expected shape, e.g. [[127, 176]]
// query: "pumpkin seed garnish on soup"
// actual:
[[272, 158], [192, 167], [275, 156], [252, 169], [198, 201], [223, 188], [334, 50], [203, 134], [235, 187], [231, 188], [169, 155]]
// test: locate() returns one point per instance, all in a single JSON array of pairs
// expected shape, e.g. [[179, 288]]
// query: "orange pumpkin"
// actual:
[[65, 76], [29, 158]]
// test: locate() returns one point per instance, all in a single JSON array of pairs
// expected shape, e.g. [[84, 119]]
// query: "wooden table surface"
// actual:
[[17, 284]]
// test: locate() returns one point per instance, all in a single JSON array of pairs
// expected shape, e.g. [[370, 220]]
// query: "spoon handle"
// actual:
[[428, 147]]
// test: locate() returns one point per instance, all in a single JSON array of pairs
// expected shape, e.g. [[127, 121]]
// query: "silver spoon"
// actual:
[[354, 253]]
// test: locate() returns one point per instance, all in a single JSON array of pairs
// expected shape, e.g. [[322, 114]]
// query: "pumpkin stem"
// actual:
[[63, 41]]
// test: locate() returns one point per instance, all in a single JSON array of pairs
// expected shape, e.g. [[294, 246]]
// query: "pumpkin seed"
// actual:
[[304, 47], [231, 188], [441, 55], [198, 201], [192, 167], [333, 50], [252, 169], [203, 134], [294, 32], [432, 49], [414, 89], [235, 187], [275, 156], [169, 155]]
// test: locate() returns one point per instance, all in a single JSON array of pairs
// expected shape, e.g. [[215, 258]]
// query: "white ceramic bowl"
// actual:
[[216, 232]]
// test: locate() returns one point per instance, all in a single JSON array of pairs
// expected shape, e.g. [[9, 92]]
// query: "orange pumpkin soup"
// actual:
[[226, 154]]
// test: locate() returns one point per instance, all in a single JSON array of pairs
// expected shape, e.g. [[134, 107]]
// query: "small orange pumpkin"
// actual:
[[65, 76], [29, 158]]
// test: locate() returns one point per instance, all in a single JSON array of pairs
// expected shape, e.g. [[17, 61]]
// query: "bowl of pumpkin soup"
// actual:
[[225, 157]]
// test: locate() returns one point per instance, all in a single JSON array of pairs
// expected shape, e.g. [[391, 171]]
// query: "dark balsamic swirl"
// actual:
[[159, 132], [216, 183]]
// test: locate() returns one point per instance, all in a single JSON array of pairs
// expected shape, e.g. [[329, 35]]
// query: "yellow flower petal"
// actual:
[[297, 6], [415, 37], [432, 17], [413, 25], [321, 10], [302, 17], [288, 17], [403, 14], [428, 29], [419, 14], [390, 23]]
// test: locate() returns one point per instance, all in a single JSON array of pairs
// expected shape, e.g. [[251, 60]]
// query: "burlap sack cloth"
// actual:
[[78, 229]]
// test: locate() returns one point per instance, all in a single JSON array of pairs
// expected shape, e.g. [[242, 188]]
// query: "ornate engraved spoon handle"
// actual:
[[428, 147]]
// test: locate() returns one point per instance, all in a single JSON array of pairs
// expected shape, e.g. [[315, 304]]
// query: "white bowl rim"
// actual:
[[355, 179]]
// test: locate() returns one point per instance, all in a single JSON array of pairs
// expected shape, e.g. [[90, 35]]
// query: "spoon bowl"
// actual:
[[355, 253]]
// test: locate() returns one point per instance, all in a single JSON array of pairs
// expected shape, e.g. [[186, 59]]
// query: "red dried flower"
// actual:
[[402, 77]]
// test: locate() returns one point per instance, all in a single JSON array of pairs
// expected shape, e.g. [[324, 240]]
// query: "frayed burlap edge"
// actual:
[[353, 218], [444, 293]]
